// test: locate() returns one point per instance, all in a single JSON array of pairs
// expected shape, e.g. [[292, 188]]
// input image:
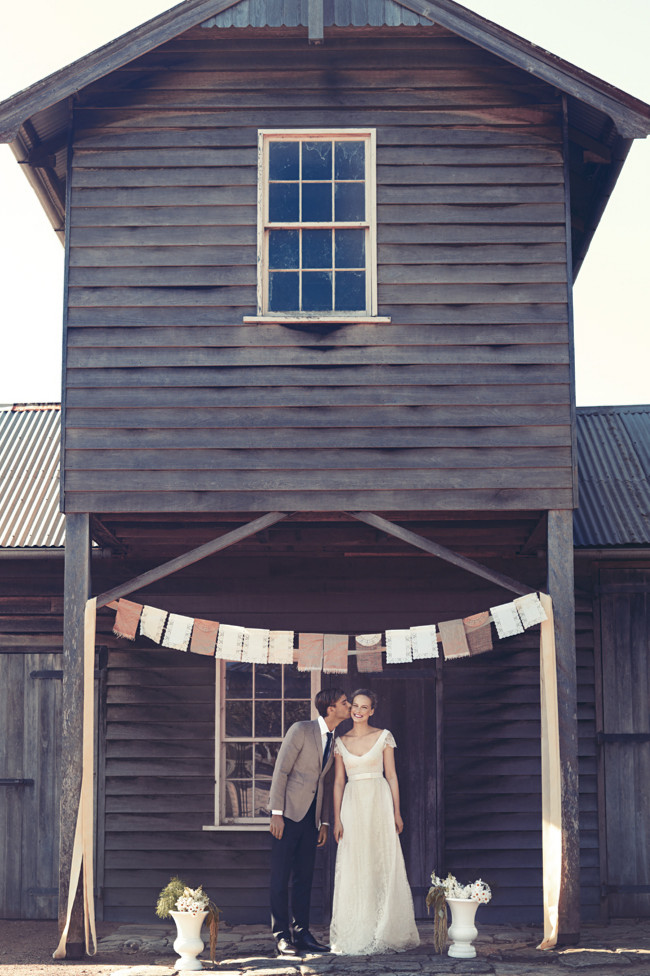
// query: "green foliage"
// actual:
[[169, 896]]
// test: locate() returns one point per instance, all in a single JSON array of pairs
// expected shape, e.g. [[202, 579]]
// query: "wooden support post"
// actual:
[[561, 590], [315, 21], [77, 590]]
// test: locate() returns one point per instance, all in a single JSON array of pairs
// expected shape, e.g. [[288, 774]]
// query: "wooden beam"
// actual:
[[77, 590], [188, 558], [561, 590], [434, 549]]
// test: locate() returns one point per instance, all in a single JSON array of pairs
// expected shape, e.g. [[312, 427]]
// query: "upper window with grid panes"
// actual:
[[317, 224]]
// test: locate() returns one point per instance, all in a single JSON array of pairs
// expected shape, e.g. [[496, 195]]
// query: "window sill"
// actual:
[[318, 319], [246, 827]]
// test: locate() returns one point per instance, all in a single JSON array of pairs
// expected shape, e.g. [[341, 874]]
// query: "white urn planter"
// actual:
[[462, 930], [188, 942]]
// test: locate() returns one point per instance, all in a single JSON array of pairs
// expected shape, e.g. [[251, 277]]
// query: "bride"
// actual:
[[373, 908]]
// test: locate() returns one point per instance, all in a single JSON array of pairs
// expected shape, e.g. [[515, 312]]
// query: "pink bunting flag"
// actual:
[[204, 637], [454, 642], [368, 654], [478, 632], [127, 619], [335, 653], [310, 652]]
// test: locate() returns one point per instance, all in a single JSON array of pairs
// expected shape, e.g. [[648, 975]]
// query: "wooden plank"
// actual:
[[318, 396], [499, 579], [216, 545], [291, 460], [12, 731], [502, 499], [541, 435], [561, 589]]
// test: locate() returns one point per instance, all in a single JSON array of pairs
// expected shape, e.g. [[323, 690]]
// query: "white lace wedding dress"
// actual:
[[373, 908]]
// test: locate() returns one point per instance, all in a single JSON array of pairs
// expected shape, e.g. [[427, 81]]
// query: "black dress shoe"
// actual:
[[305, 940], [285, 947]]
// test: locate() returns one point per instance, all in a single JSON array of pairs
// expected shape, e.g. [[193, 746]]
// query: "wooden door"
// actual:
[[30, 755], [407, 706], [624, 741]]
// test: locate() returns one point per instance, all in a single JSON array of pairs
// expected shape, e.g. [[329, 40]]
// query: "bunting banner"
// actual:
[[329, 652]]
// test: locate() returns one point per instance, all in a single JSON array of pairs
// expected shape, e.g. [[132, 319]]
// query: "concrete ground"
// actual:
[[246, 950]]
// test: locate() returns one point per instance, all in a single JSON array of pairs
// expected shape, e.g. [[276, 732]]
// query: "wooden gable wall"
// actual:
[[463, 401]]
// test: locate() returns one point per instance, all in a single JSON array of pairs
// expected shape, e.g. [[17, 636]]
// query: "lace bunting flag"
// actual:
[[256, 645], [506, 620], [424, 642], [310, 652], [281, 647], [204, 637], [127, 619], [335, 653], [368, 654], [152, 622], [530, 610], [177, 631], [478, 632], [398, 647], [454, 642], [230, 641]]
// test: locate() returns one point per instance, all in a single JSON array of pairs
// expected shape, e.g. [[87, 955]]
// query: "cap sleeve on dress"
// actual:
[[389, 740], [337, 751]]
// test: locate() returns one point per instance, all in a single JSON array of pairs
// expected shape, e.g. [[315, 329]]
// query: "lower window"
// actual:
[[256, 705]]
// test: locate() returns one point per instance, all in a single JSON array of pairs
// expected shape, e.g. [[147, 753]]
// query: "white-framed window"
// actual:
[[256, 704], [316, 225]]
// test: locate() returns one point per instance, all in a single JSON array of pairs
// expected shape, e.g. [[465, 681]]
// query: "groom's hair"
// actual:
[[327, 697]]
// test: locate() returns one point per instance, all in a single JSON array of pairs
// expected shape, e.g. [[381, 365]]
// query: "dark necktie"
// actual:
[[326, 750]]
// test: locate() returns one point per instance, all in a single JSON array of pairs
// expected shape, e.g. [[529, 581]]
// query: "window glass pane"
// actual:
[[350, 201], [283, 249], [283, 291], [317, 160], [239, 760], [265, 755], [268, 718], [262, 808], [350, 290], [268, 681], [317, 249], [283, 202], [350, 248], [239, 797], [317, 201], [239, 718], [296, 711], [239, 680], [283, 160], [297, 684], [317, 291], [350, 161]]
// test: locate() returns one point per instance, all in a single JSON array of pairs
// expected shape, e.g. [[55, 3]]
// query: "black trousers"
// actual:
[[292, 858]]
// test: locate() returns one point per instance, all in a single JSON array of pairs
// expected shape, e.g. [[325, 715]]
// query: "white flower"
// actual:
[[193, 901], [478, 891]]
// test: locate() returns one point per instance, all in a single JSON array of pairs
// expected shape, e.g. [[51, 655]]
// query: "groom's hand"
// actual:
[[322, 836], [277, 826]]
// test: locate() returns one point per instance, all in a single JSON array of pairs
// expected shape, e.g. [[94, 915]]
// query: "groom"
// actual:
[[296, 801]]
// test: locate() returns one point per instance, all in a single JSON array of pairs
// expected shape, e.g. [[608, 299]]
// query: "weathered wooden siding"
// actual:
[[462, 402], [30, 743]]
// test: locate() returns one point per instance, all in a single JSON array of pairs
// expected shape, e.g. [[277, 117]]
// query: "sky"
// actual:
[[611, 306]]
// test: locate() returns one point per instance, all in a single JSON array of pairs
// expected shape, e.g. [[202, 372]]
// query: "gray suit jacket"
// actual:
[[298, 776]]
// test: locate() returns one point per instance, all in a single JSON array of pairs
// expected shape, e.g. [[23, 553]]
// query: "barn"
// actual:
[[319, 379]]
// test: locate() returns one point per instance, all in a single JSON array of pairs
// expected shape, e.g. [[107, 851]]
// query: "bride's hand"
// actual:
[[338, 831], [399, 823]]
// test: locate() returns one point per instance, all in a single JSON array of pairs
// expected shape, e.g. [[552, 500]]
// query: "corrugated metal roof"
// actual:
[[29, 476], [614, 477], [336, 13]]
